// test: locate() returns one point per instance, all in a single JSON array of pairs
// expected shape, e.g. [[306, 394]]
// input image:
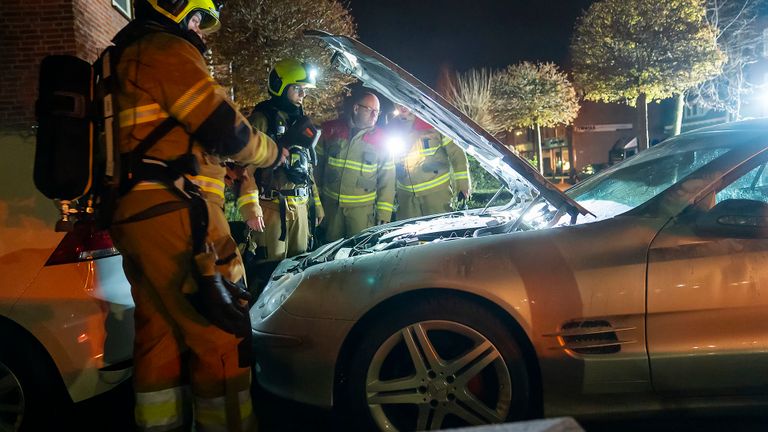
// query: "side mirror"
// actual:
[[740, 218]]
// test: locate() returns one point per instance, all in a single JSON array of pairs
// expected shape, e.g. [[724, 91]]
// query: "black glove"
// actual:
[[215, 301], [223, 303], [461, 201]]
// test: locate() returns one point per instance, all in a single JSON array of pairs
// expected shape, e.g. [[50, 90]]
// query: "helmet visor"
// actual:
[[210, 20]]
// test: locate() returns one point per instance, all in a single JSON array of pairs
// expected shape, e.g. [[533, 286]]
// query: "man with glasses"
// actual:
[[274, 201], [356, 174]]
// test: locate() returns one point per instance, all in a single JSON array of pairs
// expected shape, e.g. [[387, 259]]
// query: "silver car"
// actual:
[[639, 289]]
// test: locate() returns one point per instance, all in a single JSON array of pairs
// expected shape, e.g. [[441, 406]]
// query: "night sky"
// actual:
[[422, 35]]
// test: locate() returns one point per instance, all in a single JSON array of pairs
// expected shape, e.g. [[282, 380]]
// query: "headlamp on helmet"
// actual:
[[290, 71]]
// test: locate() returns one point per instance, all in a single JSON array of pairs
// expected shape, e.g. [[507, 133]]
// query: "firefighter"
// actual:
[[427, 168], [355, 172], [176, 124], [274, 202]]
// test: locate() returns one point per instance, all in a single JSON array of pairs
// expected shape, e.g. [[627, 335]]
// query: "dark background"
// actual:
[[424, 35]]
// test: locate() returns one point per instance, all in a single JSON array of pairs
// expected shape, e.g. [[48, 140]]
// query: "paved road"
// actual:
[[113, 412]]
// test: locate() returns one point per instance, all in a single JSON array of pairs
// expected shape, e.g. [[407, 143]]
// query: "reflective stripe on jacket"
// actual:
[[155, 85], [357, 170], [433, 161], [249, 188]]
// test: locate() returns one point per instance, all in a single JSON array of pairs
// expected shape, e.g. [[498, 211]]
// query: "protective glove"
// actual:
[[223, 303]]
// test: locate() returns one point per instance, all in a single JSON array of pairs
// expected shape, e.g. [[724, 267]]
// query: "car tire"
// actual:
[[477, 373], [29, 382]]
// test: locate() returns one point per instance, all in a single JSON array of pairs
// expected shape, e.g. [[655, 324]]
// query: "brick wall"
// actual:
[[96, 22], [32, 29]]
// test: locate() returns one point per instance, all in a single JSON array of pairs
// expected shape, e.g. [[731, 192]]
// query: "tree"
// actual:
[[257, 33], [470, 92], [634, 51], [739, 36], [533, 95]]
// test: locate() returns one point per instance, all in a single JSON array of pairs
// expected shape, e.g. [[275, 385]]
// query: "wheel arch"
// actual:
[[379, 311], [26, 341]]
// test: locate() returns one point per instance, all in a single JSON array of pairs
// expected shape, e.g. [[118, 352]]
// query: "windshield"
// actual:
[[649, 173]]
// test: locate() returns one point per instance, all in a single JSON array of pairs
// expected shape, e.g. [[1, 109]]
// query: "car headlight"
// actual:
[[276, 293]]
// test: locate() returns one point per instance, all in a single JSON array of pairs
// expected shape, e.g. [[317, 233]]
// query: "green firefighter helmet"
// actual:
[[287, 72], [179, 10]]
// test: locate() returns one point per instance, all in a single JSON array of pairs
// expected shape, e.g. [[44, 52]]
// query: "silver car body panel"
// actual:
[[504, 269]]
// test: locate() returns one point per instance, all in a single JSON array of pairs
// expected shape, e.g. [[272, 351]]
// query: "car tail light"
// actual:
[[84, 243]]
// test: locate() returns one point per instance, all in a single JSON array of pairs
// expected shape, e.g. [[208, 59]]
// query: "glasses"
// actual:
[[298, 89], [373, 111]]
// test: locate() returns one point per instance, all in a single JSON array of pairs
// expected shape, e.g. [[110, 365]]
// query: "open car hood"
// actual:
[[399, 86]]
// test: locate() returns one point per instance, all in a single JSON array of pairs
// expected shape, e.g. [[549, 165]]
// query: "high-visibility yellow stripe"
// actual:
[[249, 198], [141, 114], [148, 186], [192, 97], [209, 184], [460, 175], [158, 414], [420, 187], [317, 201], [211, 413], [385, 206], [350, 199], [388, 166], [293, 200], [160, 408], [445, 141], [351, 164]]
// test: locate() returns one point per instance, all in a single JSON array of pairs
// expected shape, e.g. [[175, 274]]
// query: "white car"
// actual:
[[66, 312]]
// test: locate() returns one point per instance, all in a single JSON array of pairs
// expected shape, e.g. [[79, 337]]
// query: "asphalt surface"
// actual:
[[114, 412]]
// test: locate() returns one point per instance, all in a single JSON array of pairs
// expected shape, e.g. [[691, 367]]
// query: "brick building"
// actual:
[[32, 29]]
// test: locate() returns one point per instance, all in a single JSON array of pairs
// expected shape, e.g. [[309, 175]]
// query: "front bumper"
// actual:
[[296, 357]]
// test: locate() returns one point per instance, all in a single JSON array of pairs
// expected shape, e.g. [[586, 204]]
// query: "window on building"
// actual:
[[124, 6]]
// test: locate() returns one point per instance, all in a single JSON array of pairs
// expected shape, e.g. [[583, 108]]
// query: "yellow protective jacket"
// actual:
[[355, 171], [248, 198], [432, 162], [162, 75]]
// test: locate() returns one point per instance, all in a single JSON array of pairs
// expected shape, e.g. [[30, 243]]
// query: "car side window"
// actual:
[[751, 186]]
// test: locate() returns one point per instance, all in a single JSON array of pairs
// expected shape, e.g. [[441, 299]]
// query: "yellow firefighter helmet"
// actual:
[[178, 10], [290, 71]]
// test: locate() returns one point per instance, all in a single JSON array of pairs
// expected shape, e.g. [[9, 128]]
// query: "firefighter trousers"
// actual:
[[182, 363], [347, 221], [296, 235], [410, 205]]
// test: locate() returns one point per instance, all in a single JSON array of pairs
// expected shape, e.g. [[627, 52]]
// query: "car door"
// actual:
[[707, 326]]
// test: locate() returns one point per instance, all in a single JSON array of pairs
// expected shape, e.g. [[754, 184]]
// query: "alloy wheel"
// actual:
[[437, 374], [11, 400]]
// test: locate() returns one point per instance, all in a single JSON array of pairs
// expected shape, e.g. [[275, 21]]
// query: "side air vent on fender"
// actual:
[[591, 337]]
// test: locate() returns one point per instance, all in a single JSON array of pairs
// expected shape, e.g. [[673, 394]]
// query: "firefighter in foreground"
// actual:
[[427, 168], [355, 172], [274, 202], [183, 266]]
